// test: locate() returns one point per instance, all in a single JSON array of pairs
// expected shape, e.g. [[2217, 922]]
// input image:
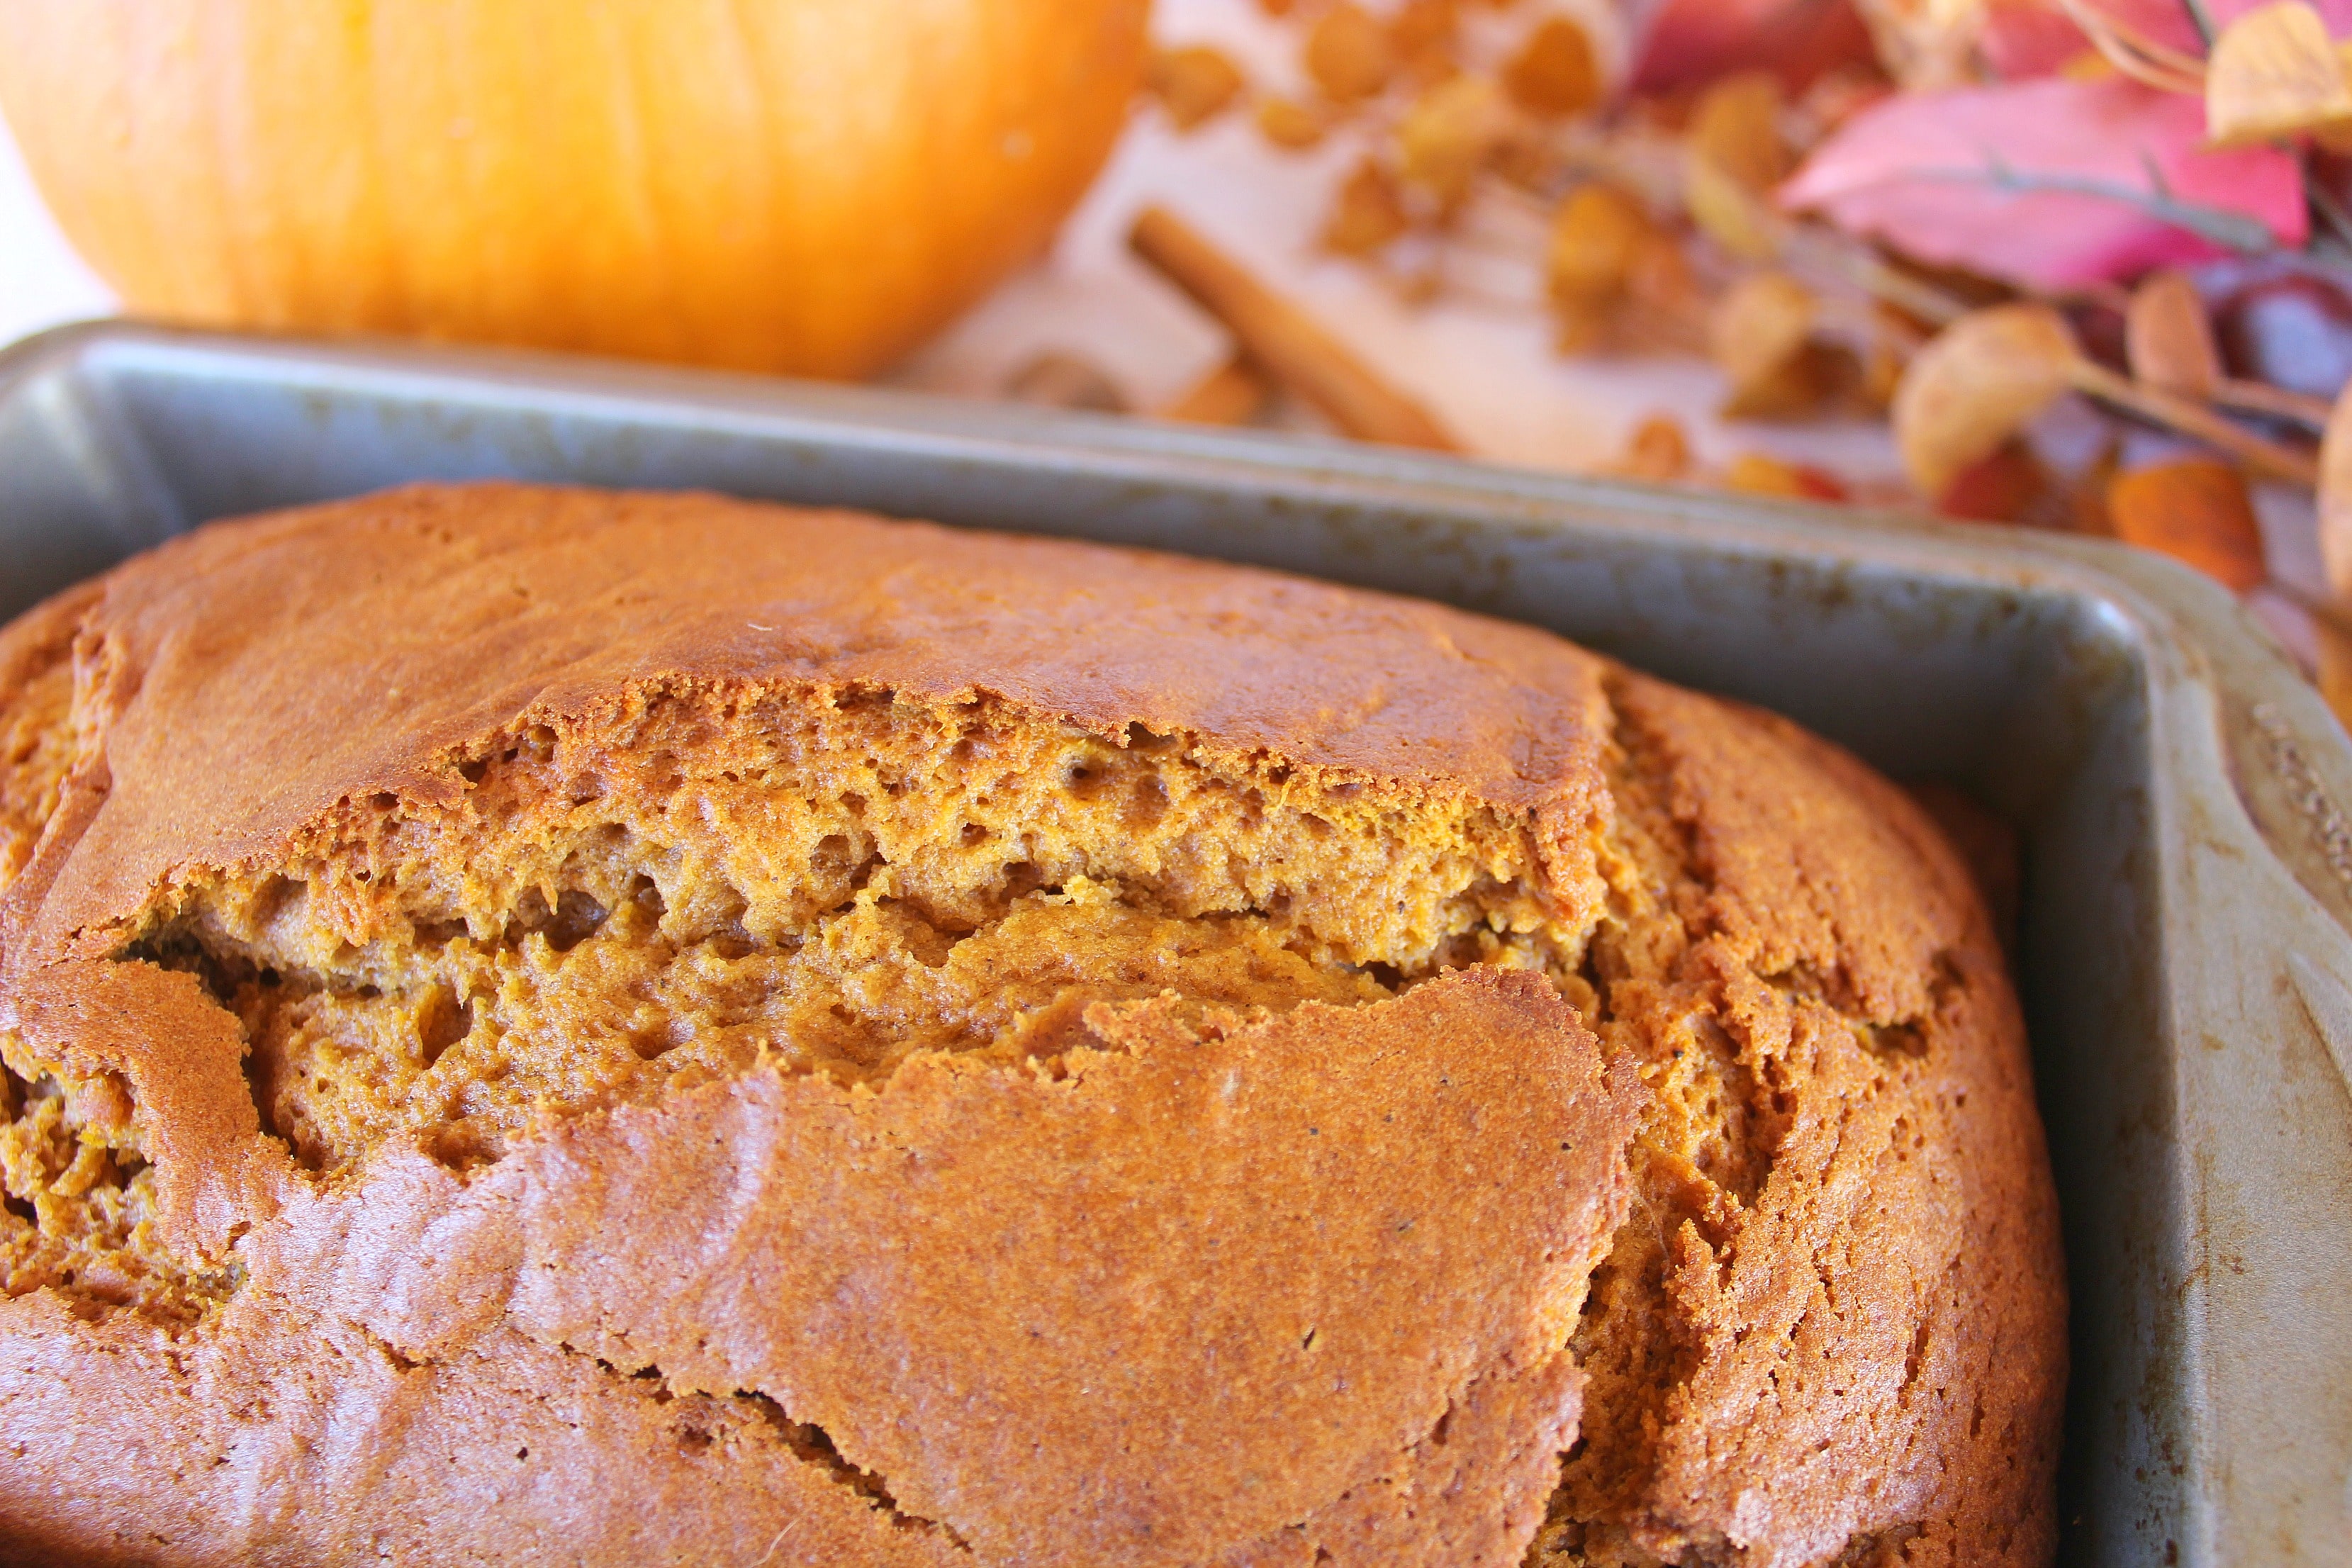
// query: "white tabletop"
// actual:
[[42, 281]]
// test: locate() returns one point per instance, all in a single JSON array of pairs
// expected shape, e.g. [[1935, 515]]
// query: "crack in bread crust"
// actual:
[[78, 1201], [1780, 1050], [806, 1441], [704, 881]]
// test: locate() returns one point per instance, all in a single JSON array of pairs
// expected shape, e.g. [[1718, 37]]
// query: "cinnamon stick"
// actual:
[[1282, 339]]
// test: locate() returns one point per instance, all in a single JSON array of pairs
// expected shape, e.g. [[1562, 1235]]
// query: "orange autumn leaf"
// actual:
[[1418, 24], [1554, 72], [2170, 339], [1671, 306], [2195, 510], [1885, 357], [1927, 44], [1194, 83], [1580, 328], [1820, 375]]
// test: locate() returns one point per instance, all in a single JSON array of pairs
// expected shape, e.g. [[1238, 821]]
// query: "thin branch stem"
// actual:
[[2193, 419], [2234, 230], [2322, 255], [2323, 201], [2135, 54], [2272, 401], [1831, 252]]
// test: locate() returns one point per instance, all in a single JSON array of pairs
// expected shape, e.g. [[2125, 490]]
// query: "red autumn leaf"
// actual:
[[2168, 22], [1677, 43], [2025, 38], [2054, 183]]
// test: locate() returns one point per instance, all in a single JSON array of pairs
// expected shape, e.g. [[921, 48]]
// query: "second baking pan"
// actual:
[[2184, 955]]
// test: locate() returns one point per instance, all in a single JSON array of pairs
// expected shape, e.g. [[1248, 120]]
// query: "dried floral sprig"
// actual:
[[1649, 224]]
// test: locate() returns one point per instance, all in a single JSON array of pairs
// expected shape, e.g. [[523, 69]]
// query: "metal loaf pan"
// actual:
[[2184, 953]]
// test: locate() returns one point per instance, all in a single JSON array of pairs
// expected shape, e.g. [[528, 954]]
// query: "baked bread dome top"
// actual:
[[923, 1045]]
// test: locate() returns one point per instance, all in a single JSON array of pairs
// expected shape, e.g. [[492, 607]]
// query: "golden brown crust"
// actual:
[[445, 615], [937, 1009], [1117, 1313], [233, 1451], [36, 732], [1861, 1256]]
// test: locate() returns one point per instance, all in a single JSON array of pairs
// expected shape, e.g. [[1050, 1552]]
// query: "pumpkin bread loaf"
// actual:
[[551, 1026]]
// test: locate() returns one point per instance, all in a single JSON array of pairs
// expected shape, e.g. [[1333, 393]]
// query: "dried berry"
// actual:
[[1596, 236], [1288, 123], [1736, 126], [1420, 38], [1658, 450], [1450, 132], [1195, 84], [1554, 73], [1367, 211], [1348, 55]]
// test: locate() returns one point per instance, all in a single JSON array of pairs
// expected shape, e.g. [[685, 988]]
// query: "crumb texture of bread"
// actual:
[[547, 1024]]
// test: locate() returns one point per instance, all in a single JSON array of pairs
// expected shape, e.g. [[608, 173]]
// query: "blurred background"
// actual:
[[2048, 263], [1482, 365]]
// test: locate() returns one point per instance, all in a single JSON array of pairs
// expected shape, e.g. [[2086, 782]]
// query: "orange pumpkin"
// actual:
[[804, 185]]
